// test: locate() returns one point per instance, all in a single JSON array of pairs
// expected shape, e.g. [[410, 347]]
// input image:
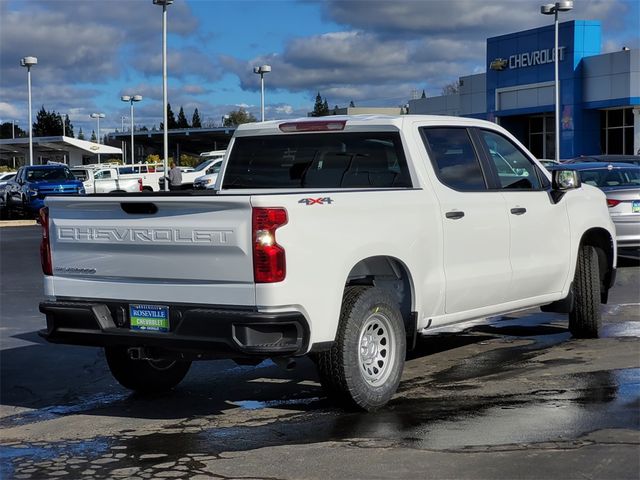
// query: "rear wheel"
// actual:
[[585, 318], [364, 366], [145, 376]]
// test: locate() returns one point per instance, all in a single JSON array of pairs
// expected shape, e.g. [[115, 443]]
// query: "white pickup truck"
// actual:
[[106, 180], [342, 238]]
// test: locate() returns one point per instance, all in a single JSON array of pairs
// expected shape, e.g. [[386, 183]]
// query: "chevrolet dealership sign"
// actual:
[[527, 59]]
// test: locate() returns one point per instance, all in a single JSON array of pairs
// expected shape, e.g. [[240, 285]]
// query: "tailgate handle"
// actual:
[[139, 208]]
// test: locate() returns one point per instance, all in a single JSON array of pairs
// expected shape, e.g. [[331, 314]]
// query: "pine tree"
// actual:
[[182, 119], [171, 119], [424, 95], [195, 120], [94, 139], [351, 104], [325, 108], [47, 124], [80, 134], [317, 107], [68, 127]]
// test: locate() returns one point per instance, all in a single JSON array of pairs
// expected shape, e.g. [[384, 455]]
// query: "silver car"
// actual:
[[621, 184]]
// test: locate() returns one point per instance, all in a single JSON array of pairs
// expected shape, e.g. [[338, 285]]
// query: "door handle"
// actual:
[[518, 211], [454, 215]]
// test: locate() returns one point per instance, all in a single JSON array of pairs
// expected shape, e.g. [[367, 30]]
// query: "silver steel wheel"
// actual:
[[376, 351]]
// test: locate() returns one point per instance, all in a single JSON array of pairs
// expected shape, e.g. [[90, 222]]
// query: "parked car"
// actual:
[[208, 181], [621, 184], [6, 176], [633, 159], [32, 184]]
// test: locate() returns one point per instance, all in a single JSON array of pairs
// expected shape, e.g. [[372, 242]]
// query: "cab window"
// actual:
[[102, 174], [454, 158], [515, 170]]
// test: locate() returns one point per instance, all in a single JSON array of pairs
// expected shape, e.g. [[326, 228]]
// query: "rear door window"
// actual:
[[336, 160], [454, 158]]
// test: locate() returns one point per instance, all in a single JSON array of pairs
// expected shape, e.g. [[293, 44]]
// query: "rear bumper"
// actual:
[[210, 332]]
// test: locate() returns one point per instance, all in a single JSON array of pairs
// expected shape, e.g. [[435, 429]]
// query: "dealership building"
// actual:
[[599, 92]]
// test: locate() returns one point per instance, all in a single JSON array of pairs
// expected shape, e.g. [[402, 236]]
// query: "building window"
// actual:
[[616, 135], [542, 136]]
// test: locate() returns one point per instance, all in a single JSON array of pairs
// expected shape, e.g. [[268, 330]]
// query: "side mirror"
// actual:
[[565, 180]]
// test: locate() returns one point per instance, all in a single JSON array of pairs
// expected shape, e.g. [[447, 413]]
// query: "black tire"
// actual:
[[585, 318], [145, 376], [365, 363]]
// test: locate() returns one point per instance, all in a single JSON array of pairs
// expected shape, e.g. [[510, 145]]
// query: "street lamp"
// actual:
[[553, 9], [261, 70], [98, 116], [29, 62], [164, 4], [131, 99]]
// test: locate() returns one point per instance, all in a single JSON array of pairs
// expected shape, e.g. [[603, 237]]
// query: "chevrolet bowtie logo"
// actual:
[[498, 64]]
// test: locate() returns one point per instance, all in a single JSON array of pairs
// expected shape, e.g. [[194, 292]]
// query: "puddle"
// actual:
[[257, 405]]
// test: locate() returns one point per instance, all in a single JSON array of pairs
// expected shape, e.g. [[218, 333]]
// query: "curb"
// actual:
[[17, 223]]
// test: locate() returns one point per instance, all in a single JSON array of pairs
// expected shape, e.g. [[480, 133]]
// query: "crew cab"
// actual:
[[206, 167], [106, 179], [33, 183], [341, 238]]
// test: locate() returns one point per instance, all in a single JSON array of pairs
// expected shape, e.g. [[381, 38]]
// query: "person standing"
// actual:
[[175, 177]]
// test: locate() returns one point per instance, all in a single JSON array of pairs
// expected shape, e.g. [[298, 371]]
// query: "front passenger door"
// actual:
[[539, 240]]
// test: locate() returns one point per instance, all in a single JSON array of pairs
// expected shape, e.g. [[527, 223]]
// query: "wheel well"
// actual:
[[388, 273], [147, 189], [601, 240]]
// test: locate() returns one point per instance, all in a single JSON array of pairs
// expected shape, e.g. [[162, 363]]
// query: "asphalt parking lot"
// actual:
[[514, 397]]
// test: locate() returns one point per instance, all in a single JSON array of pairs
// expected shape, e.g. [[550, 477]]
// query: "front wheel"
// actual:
[[585, 318], [365, 363], [145, 376]]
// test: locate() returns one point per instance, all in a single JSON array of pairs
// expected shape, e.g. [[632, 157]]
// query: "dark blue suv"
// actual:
[[30, 186]]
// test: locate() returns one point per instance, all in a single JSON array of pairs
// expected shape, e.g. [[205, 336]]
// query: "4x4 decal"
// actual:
[[316, 201]]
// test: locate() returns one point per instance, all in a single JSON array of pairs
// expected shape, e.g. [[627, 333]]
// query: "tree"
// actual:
[[238, 117], [8, 129], [68, 126], [424, 95], [182, 119], [80, 134], [171, 118], [451, 88], [93, 136], [351, 104], [47, 124], [195, 120], [320, 107]]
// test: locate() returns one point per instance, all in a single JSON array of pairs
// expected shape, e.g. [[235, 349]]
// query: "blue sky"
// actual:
[[372, 52]]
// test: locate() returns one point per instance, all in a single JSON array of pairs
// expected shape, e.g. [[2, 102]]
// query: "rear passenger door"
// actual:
[[539, 228], [475, 221]]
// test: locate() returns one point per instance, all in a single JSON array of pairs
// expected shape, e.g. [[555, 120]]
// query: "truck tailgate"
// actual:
[[156, 249]]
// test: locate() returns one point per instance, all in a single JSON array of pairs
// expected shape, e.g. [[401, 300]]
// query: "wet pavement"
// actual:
[[513, 397]]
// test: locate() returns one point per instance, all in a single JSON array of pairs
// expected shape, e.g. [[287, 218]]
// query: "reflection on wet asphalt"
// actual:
[[446, 409]]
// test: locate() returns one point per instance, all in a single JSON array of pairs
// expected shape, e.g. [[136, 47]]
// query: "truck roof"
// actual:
[[357, 121]]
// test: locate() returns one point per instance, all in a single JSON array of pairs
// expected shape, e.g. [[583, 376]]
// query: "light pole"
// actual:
[[553, 9], [261, 70], [164, 4], [131, 99], [98, 116], [29, 62]]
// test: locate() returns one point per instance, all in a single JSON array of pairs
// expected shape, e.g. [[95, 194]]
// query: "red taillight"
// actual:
[[612, 203], [45, 247], [314, 126], [140, 184], [269, 264]]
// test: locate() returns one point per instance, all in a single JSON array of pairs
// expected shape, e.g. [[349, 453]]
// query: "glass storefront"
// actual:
[[542, 136], [616, 131]]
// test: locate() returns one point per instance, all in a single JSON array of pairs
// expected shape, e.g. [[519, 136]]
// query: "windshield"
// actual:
[[617, 177], [48, 174], [336, 160]]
